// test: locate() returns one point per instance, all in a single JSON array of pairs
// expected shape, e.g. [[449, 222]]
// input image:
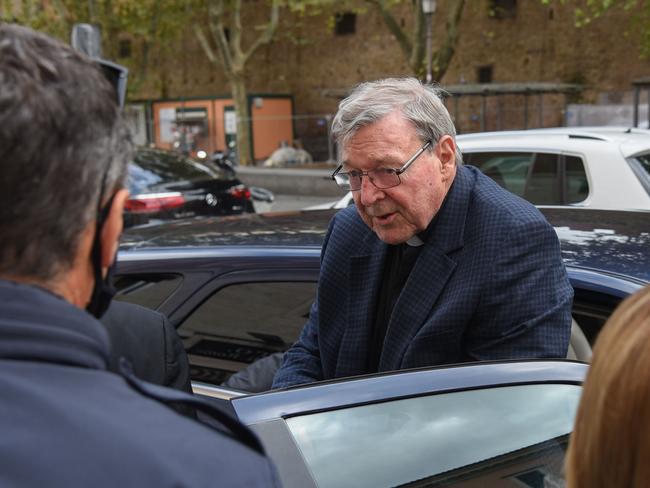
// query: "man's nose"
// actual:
[[368, 192]]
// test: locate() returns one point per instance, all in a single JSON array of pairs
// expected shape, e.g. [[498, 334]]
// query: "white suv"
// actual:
[[597, 167]]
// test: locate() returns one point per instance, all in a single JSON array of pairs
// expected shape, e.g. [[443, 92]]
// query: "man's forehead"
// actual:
[[378, 150], [374, 158]]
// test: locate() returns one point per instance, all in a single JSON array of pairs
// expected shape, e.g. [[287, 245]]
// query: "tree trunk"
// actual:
[[240, 99]]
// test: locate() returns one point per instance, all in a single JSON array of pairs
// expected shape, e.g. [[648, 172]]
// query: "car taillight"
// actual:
[[240, 191], [154, 202]]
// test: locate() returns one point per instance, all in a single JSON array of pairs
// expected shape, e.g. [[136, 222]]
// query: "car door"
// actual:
[[491, 424]]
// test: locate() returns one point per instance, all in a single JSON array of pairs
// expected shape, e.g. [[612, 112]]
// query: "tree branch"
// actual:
[[235, 33], [268, 33], [416, 58], [442, 56], [402, 39], [205, 44], [215, 16]]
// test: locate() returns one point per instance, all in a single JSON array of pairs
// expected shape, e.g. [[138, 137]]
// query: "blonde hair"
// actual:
[[610, 444]]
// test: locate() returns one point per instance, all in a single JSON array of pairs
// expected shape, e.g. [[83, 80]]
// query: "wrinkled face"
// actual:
[[397, 214]]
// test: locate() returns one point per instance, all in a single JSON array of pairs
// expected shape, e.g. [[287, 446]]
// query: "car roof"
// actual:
[[296, 228], [609, 241], [630, 141]]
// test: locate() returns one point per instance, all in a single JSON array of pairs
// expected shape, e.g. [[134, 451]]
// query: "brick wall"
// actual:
[[540, 43]]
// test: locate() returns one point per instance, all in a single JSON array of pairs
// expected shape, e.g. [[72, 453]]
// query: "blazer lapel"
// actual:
[[428, 278], [433, 268], [364, 279]]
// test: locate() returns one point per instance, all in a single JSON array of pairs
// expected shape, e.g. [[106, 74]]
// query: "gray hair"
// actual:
[[371, 101], [61, 136]]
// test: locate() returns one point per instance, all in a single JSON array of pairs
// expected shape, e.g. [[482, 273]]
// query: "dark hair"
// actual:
[[61, 135]]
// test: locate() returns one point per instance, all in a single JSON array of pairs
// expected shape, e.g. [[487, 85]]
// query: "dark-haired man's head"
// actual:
[[63, 155]]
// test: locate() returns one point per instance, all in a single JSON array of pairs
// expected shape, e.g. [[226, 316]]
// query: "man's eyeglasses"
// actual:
[[382, 178]]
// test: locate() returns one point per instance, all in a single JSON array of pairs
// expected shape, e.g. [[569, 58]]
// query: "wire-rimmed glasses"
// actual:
[[382, 178]]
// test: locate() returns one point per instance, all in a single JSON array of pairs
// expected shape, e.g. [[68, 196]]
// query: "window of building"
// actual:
[[345, 23], [124, 48], [484, 74], [503, 9]]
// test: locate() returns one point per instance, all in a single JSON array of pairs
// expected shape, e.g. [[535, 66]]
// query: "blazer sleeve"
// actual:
[[302, 361], [525, 312]]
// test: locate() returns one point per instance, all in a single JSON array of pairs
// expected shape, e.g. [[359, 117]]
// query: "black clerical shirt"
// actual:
[[399, 262]]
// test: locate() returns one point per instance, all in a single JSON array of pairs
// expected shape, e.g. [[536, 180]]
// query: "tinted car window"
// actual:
[[510, 170], [253, 310], [151, 168], [147, 290], [640, 164], [242, 323], [576, 185], [542, 188], [480, 437]]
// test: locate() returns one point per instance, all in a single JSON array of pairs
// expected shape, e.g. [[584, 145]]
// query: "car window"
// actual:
[[480, 437], [508, 169], [154, 168], [244, 322], [542, 187], [147, 290], [575, 181], [640, 165]]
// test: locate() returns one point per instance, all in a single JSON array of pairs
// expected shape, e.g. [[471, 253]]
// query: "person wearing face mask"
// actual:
[[66, 420], [435, 263]]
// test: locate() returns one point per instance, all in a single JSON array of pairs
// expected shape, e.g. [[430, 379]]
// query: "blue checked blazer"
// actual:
[[488, 284]]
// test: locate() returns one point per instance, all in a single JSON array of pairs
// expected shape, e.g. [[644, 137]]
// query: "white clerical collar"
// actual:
[[415, 241]]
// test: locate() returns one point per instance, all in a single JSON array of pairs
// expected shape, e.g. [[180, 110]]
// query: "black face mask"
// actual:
[[103, 291]]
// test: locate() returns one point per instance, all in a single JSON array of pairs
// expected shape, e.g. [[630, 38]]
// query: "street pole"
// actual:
[[428, 9]]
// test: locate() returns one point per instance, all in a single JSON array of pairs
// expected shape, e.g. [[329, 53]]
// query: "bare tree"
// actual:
[[413, 42], [224, 19]]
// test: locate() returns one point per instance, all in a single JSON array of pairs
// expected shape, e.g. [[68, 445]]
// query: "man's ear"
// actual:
[[113, 228], [446, 153]]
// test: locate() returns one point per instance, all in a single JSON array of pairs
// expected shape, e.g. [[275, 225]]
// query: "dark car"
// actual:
[[240, 288], [165, 185]]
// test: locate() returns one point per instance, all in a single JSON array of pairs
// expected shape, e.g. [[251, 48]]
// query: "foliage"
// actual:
[[587, 11], [149, 25]]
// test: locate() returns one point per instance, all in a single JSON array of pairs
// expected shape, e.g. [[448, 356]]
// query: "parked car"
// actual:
[[240, 288], [596, 167], [166, 185], [504, 424]]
